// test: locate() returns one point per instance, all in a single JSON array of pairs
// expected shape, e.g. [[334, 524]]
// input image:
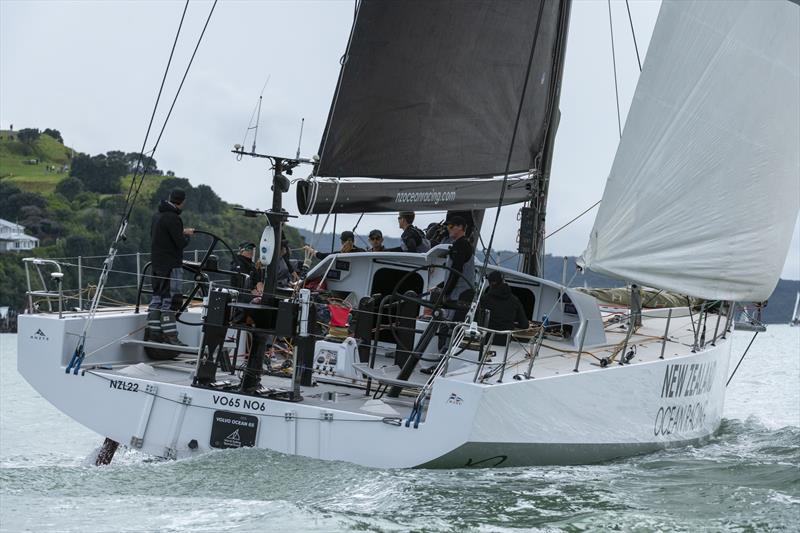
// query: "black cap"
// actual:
[[247, 246], [495, 277], [457, 220], [177, 196], [348, 236], [376, 233]]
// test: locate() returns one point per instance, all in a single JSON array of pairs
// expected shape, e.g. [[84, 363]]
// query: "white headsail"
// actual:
[[704, 191]]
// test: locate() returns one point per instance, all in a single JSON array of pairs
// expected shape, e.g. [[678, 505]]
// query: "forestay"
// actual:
[[704, 191], [431, 89]]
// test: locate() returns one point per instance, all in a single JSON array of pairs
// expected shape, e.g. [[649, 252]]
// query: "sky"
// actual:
[[91, 69]]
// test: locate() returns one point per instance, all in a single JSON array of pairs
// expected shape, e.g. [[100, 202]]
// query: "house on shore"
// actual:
[[14, 239]]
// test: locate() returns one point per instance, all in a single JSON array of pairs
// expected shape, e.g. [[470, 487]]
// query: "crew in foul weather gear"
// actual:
[[168, 239], [505, 310], [413, 239]]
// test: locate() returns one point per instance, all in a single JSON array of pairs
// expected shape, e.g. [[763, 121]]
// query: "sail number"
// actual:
[[246, 403], [123, 385]]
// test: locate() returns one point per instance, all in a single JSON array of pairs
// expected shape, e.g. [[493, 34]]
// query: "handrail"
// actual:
[[46, 292]]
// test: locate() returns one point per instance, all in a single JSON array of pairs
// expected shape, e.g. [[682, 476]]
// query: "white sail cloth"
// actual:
[[704, 191]]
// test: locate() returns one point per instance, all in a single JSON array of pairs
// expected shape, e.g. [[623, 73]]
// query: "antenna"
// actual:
[[300, 140], [257, 115], [258, 119]]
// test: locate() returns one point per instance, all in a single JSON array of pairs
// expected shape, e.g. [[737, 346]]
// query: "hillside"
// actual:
[[72, 219]]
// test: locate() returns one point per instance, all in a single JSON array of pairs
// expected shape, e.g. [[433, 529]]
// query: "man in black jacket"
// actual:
[[505, 310], [413, 239], [168, 239]]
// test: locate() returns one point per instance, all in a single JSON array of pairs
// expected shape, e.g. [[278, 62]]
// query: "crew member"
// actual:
[[505, 310], [243, 265], [348, 246], [286, 271], [460, 258], [376, 241], [168, 238], [459, 285], [413, 239]]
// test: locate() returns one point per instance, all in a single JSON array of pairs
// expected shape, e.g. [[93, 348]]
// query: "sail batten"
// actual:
[[704, 190], [430, 90]]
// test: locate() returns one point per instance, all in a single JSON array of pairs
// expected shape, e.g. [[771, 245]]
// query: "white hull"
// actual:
[[563, 418]]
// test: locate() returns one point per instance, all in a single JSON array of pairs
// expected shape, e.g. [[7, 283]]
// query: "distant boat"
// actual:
[[795, 321]]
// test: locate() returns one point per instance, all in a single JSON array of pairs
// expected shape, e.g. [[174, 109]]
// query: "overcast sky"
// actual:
[[91, 69]]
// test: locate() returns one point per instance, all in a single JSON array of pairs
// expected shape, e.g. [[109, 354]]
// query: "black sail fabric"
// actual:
[[431, 89]]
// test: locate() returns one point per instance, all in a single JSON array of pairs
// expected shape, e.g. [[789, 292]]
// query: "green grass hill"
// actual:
[[70, 209]]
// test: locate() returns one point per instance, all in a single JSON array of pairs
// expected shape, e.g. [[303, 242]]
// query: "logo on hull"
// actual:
[[39, 336], [455, 399]]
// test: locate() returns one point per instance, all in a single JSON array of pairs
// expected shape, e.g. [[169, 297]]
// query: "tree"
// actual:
[[28, 135], [69, 187], [55, 134], [99, 173], [11, 207], [206, 200], [138, 162], [167, 185]]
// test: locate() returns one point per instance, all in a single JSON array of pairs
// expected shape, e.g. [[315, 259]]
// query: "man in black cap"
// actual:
[[376, 241], [456, 288], [348, 246], [243, 265], [168, 238], [505, 310], [413, 239], [461, 258]]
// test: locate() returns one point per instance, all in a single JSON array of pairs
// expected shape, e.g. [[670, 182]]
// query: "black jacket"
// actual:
[[167, 240], [412, 241], [244, 265], [505, 309]]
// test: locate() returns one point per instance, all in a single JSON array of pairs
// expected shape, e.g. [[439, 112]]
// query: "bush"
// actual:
[[69, 187], [28, 135], [55, 134]]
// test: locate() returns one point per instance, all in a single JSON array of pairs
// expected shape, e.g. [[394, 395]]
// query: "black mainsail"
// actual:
[[431, 89]]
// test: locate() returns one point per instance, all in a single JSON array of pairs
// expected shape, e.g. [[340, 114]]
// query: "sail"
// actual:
[[360, 196], [704, 190], [431, 89]]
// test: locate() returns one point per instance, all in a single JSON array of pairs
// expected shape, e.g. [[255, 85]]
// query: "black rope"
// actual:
[[514, 136], [633, 33], [614, 59], [742, 358]]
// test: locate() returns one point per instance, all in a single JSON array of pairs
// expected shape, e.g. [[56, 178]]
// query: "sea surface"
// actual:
[[746, 479]]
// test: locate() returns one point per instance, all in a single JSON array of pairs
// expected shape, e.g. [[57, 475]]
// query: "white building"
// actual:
[[13, 238]]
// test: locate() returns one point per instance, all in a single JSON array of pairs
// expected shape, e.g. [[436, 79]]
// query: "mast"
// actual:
[[533, 256]]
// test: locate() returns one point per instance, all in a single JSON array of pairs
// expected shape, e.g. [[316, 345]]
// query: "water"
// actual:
[[746, 479]]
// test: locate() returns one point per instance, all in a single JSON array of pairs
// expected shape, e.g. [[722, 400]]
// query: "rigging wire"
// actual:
[[514, 136], [155, 108], [573, 220], [614, 59], [79, 353], [633, 33]]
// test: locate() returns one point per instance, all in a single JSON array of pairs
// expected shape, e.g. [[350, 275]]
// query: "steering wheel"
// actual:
[[200, 277], [396, 295]]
